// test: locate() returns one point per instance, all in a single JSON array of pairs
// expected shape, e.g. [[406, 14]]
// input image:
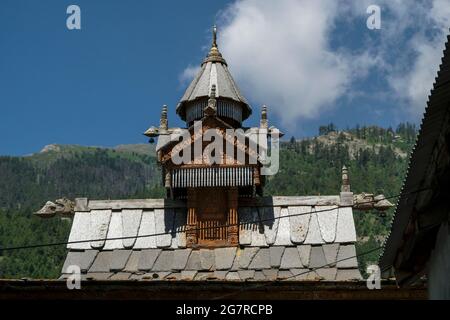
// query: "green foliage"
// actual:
[[308, 167]]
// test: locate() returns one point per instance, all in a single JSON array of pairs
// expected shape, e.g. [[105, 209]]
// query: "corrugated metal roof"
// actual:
[[433, 121]]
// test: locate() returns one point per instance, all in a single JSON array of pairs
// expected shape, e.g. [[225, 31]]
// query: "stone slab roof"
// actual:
[[280, 237]]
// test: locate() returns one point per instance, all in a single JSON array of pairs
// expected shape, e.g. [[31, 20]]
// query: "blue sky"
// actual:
[[105, 84]]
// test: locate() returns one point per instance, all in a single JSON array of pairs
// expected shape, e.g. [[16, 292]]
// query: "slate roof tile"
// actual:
[[102, 262], [284, 275], [261, 260], [165, 261], [83, 259], [305, 252], [275, 256], [120, 276], [133, 261], [119, 259], [246, 256], [147, 259], [290, 259], [224, 258], [271, 274], [180, 258], [232, 275], [317, 257], [246, 274], [327, 274], [348, 275], [207, 259], [194, 262], [331, 251], [347, 252]]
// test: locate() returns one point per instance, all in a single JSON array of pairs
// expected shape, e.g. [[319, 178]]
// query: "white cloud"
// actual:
[[280, 54], [188, 74]]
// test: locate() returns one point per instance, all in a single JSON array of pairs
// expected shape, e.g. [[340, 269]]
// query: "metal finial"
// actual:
[[264, 122], [214, 42], [163, 123]]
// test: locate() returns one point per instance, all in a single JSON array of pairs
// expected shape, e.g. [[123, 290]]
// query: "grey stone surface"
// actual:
[[97, 276], [270, 216], [206, 259], [317, 258], [261, 260], [220, 275], [188, 274], [174, 276], [232, 275], [327, 218], [147, 259], [224, 258], [290, 259], [259, 276], [285, 275], [164, 223], [305, 252], [275, 256], [300, 274], [133, 261], [146, 228], [161, 275], [114, 232], [164, 262], [102, 262], [131, 219], [180, 258], [99, 223], [347, 252], [283, 237], [119, 259], [327, 274], [299, 223], [331, 251], [246, 274], [194, 262], [83, 259], [80, 231], [314, 236], [204, 275], [348, 275], [271, 274], [246, 256], [345, 230], [120, 276]]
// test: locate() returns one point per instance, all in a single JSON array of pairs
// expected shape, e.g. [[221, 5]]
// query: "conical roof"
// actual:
[[213, 71]]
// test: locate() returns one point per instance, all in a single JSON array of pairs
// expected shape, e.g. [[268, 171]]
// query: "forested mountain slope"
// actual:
[[376, 157]]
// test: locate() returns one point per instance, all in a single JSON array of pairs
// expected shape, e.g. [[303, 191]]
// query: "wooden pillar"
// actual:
[[191, 227], [233, 219]]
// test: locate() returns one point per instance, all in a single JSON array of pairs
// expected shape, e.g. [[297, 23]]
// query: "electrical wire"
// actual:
[[296, 275], [33, 246]]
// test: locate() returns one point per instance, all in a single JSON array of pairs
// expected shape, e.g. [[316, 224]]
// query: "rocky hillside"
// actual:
[[376, 157]]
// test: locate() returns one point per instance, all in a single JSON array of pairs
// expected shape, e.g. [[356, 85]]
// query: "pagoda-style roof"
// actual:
[[213, 71]]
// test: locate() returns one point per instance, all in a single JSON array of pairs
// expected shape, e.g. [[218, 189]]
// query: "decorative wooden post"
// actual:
[[191, 228], [233, 228]]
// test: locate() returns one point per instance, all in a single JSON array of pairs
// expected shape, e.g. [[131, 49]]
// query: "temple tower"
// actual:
[[223, 165]]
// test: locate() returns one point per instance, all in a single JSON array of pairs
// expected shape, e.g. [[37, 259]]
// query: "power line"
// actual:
[[33, 246], [298, 274]]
